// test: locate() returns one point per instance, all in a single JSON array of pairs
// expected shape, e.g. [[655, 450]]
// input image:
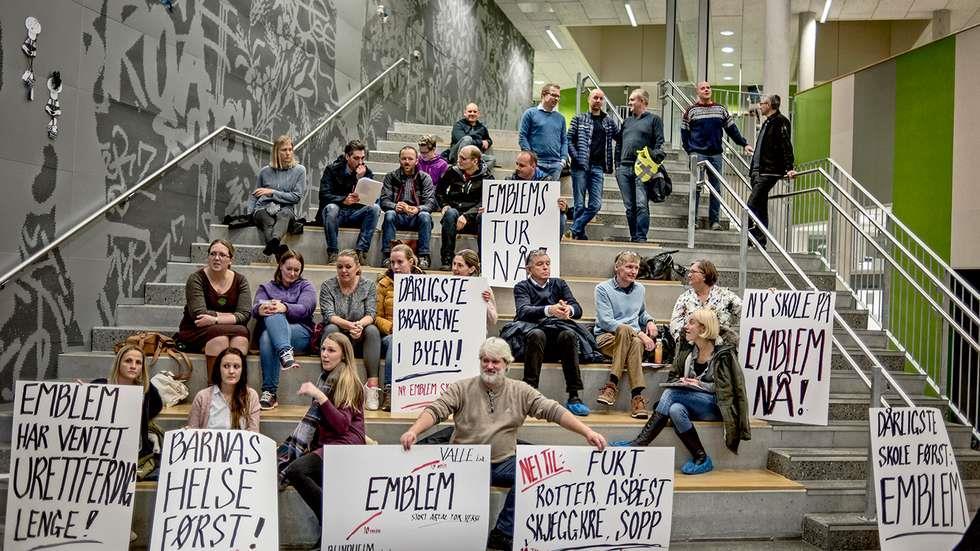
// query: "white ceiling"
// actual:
[[745, 17]]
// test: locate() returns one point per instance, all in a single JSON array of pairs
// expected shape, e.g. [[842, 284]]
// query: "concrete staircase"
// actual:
[[801, 484]]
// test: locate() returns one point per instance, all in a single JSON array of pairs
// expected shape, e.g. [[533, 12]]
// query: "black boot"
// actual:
[[272, 247], [651, 430], [700, 462]]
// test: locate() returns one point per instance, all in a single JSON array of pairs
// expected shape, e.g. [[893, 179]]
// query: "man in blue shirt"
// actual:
[[542, 131]]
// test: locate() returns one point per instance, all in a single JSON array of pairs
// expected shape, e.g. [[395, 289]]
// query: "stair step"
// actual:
[[840, 531], [846, 463]]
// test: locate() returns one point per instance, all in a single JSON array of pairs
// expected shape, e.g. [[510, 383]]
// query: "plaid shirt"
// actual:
[[726, 304]]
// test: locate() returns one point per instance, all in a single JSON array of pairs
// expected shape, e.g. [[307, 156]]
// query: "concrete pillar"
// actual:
[[808, 51], [776, 69], [940, 24]]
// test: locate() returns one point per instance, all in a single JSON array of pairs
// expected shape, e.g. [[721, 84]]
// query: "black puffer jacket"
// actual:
[[462, 193]]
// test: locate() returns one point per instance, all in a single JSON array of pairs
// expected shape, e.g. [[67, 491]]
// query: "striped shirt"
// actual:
[[702, 125]]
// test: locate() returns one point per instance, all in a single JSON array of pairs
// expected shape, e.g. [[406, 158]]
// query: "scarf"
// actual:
[[304, 436]]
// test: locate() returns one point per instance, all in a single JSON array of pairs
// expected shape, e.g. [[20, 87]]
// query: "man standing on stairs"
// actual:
[[771, 161], [542, 131], [701, 134], [408, 199], [590, 140], [468, 131], [489, 409], [543, 326], [340, 206], [642, 129]]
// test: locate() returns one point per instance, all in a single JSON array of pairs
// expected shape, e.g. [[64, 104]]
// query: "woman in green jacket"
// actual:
[[706, 385]]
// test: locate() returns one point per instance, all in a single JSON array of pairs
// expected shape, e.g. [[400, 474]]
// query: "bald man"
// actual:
[[468, 131], [701, 134]]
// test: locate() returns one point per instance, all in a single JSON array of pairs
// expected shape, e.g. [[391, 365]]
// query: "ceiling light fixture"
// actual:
[[826, 11], [728, 49], [727, 64], [629, 12], [539, 82], [727, 33], [729, 78], [551, 35]]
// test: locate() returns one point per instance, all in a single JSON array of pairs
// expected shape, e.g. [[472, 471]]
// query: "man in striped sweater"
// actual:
[[701, 134]]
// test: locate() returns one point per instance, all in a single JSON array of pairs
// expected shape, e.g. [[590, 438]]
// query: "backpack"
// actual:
[[659, 188], [662, 267], [154, 344]]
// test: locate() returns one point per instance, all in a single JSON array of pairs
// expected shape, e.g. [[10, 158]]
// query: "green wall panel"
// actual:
[[811, 142]]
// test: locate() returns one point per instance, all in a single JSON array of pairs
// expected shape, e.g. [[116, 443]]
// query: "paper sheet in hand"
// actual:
[[367, 191]]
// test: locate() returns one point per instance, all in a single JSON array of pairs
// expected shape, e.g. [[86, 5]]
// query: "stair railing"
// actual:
[[581, 81], [155, 175]]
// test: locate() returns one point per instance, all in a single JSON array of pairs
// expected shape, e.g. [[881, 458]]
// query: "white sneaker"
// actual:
[[372, 398]]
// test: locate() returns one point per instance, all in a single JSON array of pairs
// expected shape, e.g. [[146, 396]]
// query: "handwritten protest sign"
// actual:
[[440, 323], [518, 217], [784, 346], [430, 498], [72, 466], [575, 497], [217, 490], [920, 497]]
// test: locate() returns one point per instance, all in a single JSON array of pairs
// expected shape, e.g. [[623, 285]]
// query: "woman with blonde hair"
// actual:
[[229, 403], [336, 417], [402, 261], [467, 263], [280, 186]]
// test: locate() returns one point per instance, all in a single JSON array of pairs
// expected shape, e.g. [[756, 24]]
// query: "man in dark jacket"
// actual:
[[408, 199], [547, 303], [468, 131], [461, 196], [771, 161], [640, 129], [340, 206], [590, 144]]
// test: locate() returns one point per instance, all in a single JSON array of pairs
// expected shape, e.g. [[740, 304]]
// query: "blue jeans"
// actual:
[[335, 217], [449, 232], [684, 405], [421, 222], [551, 172], [386, 350], [714, 205], [277, 334], [502, 475], [586, 180], [635, 200]]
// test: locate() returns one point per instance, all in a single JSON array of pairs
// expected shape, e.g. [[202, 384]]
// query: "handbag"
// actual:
[[659, 188], [172, 391], [154, 344], [662, 267]]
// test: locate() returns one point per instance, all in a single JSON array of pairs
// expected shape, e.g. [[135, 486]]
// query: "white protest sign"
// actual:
[[784, 347], [576, 497], [384, 498], [920, 497], [518, 217], [218, 489], [440, 323], [72, 466]]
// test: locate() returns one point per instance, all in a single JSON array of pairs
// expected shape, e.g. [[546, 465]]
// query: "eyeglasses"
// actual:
[[214, 254], [691, 271]]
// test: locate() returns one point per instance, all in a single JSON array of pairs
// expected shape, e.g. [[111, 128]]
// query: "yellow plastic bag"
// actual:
[[645, 167]]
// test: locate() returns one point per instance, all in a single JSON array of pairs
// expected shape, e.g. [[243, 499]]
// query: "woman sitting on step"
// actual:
[[336, 417], [705, 384], [704, 292], [217, 306], [403, 261], [284, 310], [467, 263], [229, 403], [348, 303], [279, 188], [129, 368]]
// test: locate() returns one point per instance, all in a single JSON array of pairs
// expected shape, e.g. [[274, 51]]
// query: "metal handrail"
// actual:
[[747, 214], [605, 98], [128, 194]]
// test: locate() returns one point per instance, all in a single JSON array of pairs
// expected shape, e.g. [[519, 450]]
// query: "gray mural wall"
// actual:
[[142, 84]]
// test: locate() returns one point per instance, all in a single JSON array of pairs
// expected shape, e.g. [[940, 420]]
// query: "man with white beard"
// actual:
[[488, 409]]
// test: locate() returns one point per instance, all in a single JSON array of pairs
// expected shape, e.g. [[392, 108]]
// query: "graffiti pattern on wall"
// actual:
[[164, 80]]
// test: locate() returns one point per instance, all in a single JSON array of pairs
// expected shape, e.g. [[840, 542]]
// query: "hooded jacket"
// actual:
[[729, 386], [424, 192], [462, 193]]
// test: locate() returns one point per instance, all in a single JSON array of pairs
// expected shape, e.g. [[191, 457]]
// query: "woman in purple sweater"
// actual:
[[336, 417], [284, 308]]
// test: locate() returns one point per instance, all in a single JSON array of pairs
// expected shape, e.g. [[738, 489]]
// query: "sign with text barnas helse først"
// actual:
[[439, 325], [920, 497], [431, 498], [784, 347], [518, 217], [217, 490], [72, 466], [578, 497]]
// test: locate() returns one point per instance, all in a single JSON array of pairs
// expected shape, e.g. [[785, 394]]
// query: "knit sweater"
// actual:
[[702, 125], [615, 306], [362, 302], [543, 132], [647, 130], [299, 298], [478, 423], [289, 185]]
